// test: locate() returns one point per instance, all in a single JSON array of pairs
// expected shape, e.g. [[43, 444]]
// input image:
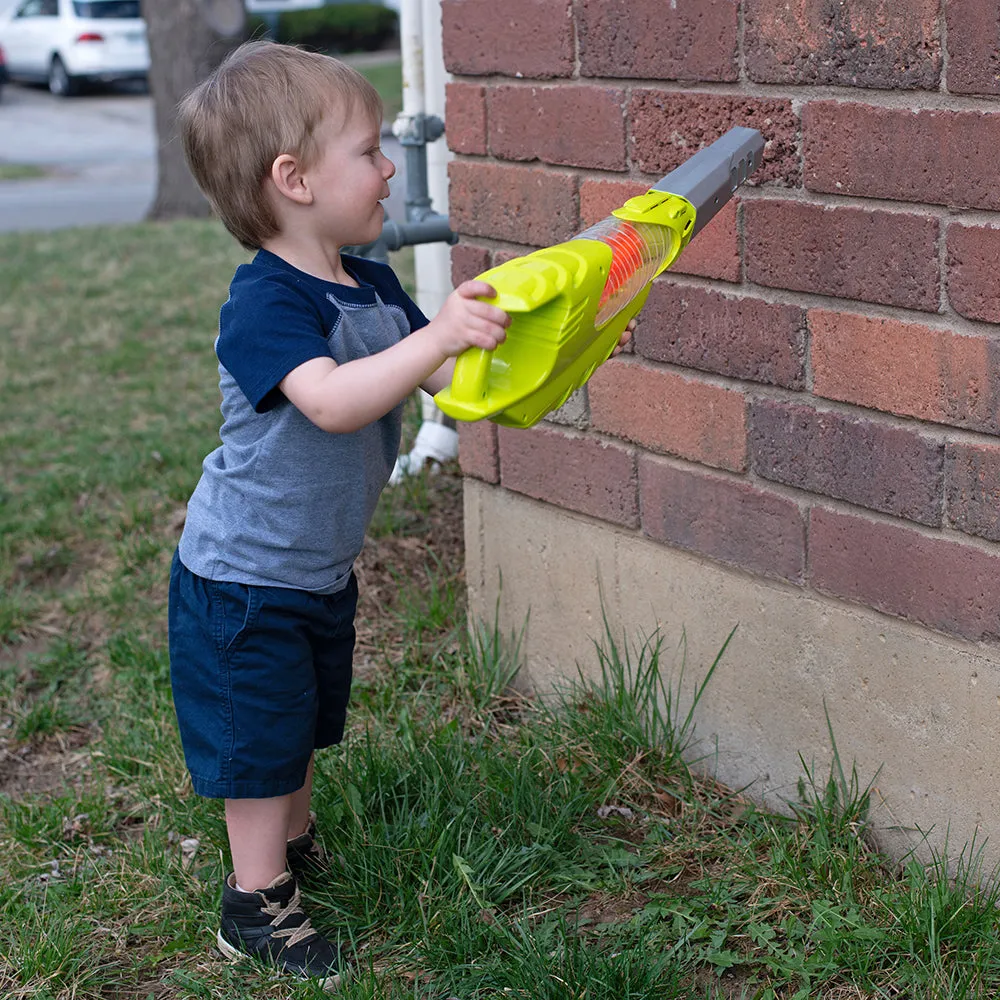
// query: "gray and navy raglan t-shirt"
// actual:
[[281, 502]]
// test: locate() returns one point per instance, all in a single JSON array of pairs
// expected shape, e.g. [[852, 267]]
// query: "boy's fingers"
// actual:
[[491, 314], [494, 331], [488, 341], [499, 317], [474, 289]]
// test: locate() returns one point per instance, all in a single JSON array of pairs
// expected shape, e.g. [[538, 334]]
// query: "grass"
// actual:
[[484, 845], [387, 79], [20, 171]]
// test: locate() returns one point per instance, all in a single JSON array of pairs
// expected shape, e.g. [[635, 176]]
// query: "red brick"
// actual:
[[572, 471], [669, 413], [502, 256], [973, 491], [900, 571], [723, 519], [973, 46], [478, 453], [714, 254], [852, 253], [465, 118], [578, 126], [906, 368], [515, 203], [973, 276], [886, 44], [939, 157], [715, 251], [468, 261], [742, 337], [523, 38], [648, 38], [669, 127], [599, 197], [865, 462]]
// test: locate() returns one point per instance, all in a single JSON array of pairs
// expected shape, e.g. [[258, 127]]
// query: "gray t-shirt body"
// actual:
[[281, 502]]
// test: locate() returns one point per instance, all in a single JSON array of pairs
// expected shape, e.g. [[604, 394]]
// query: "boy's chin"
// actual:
[[371, 233]]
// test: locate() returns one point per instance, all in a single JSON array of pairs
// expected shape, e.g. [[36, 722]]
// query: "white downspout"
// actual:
[[433, 260], [411, 48], [424, 79]]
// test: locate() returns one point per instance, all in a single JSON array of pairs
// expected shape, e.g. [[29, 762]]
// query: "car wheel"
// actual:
[[60, 82]]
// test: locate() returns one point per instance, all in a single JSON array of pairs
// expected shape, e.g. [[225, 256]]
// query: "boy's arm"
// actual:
[[437, 380], [345, 398]]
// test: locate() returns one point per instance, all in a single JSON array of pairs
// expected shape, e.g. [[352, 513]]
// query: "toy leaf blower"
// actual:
[[570, 303]]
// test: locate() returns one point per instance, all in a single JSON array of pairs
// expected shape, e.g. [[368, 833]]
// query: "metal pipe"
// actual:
[[413, 127], [433, 228]]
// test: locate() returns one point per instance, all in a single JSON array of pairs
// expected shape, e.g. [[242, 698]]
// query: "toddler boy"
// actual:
[[317, 352]]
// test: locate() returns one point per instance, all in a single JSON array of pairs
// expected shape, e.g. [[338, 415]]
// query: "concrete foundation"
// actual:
[[917, 712]]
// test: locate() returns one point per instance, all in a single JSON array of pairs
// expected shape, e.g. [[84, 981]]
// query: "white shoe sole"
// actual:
[[235, 955]]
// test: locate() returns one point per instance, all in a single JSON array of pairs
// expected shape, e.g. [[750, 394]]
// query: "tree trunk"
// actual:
[[187, 40]]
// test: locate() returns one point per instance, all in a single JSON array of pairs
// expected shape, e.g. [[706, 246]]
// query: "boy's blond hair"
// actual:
[[265, 99]]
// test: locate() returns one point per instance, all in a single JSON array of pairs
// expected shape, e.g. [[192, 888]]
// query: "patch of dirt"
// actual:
[[604, 908], [435, 542], [17, 654], [57, 567], [608, 908], [56, 764]]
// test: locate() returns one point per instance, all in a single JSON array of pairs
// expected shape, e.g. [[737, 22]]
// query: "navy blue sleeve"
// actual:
[[384, 280], [268, 327]]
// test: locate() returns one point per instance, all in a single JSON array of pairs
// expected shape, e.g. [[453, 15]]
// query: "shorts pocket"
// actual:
[[237, 606]]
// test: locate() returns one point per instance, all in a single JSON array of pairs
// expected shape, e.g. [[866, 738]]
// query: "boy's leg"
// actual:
[[244, 690], [333, 649], [262, 913], [258, 832], [304, 854], [300, 817]]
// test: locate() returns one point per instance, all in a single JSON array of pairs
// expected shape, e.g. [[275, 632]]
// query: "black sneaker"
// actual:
[[271, 926], [305, 854]]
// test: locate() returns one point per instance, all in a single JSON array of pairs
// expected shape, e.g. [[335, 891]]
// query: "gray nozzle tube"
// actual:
[[710, 177]]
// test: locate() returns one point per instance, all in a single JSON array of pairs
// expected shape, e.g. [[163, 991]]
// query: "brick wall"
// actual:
[[814, 391]]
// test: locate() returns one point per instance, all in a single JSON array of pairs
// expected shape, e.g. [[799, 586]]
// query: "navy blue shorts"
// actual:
[[261, 677]]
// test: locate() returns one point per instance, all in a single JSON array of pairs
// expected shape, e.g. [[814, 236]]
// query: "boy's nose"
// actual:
[[390, 167]]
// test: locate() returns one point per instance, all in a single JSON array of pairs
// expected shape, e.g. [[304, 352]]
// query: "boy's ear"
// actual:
[[289, 179]]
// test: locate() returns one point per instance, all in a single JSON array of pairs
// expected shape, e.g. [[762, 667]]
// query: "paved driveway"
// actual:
[[99, 152]]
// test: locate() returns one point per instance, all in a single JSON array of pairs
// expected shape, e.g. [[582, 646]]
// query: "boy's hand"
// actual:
[[626, 337], [465, 321]]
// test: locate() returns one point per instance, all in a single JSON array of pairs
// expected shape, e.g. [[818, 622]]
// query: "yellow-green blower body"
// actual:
[[570, 303]]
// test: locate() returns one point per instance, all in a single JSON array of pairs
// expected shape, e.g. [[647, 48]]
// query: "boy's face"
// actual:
[[349, 181]]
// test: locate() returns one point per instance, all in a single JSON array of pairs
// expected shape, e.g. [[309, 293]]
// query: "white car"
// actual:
[[67, 43]]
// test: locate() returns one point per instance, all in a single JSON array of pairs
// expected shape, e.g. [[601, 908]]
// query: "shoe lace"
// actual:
[[302, 931]]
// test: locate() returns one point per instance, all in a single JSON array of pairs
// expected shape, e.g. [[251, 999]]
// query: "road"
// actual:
[[98, 151], [99, 154]]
